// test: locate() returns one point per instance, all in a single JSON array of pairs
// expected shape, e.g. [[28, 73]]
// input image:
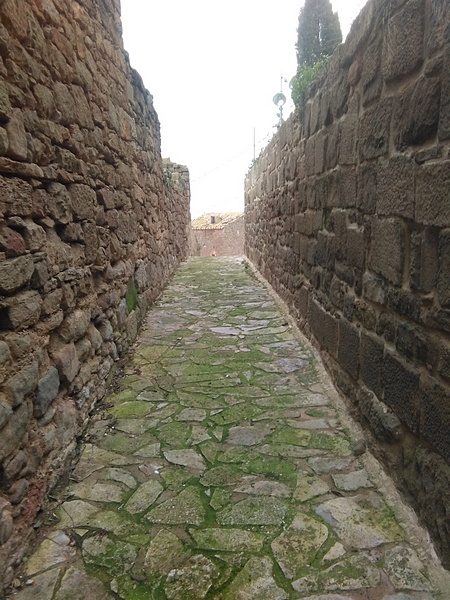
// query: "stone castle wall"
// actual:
[[348, 217], [92, 225]]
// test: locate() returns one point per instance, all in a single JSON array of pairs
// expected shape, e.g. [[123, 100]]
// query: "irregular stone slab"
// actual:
[[264, 488], [133, 426], [254, 511], [191, 414], [199, 435], [193, 580], [186, 508], [225, 330], [359, 527], [299, 545], [288, 451], [95, 454], [354, 573], [77, 585], [335, 552], [75, 513], [122, 477], [255, 582], [313, 423], [117, 556], [43, 586], [329, 465], [85, 469], [54, 550], [149, 451], [290, 365], [350, 482], [186, 458], [223, 475], [165, 552], [405, 569], [99, 492], [118, 523], [228, 540], [309, 487], [144, 497], [247, 436]]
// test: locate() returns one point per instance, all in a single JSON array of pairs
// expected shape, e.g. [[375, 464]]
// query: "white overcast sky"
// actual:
[[213, 69]]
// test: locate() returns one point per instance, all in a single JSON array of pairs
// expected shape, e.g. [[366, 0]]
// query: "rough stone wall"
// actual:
[[92, 225], [226, 241], [348, 217]]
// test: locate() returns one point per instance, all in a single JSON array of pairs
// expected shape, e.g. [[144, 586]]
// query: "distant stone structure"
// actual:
[[348, 217], [92, 226], [218, 234]]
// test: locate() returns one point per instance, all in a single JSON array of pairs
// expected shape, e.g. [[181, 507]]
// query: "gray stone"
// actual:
[[5, 413], [353, 573], [247, 436], [187, 508], [360, 527], [228, 540], [144, 497], [256, 487], [298, 545], [67, 363], [18, 146], [115, 555], [309, 487], [42, 586], [12, 433], [186, 458], [24, 311], [254, 511], [77, 585], [6, 521], [47, 391], [164, 551], [193, 580], [405, 569], [350, 482], [98, 492], [5, 354], [55, 549], [328, 465], [75, 325], [255, 582], [15, 273]]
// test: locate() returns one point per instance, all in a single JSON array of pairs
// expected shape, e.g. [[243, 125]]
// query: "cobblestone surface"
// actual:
[[224, 467]]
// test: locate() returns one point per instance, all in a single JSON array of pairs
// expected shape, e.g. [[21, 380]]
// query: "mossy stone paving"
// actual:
[[221, 470]]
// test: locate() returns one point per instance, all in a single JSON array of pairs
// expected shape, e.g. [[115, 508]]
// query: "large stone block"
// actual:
[[435, 410], [17, 138], [432, 194], [417, 113], [396, 187], [75, 325], [15, 197], [372, 352], [374, 130], [83, 201], [404, 41], [443, 279], [444, 117], [367, 188], [47, 391], [383, 422], [424, 259], [387, 254], [401, 389], [324, 327], [348, 348], [58, 203]]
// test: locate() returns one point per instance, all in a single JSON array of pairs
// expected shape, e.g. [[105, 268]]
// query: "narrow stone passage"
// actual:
[[221, 469]]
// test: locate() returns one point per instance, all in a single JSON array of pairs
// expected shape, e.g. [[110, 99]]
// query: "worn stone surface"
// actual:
[[173, 513]]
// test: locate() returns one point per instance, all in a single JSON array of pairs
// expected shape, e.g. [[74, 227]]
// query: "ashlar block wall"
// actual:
[[348, 217]]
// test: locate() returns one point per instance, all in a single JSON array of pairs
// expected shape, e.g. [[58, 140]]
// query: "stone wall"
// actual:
[[348, 217], [222, 241], [92, 225]]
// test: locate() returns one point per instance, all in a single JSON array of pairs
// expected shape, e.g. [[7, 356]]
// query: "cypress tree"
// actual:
[[319, 32]]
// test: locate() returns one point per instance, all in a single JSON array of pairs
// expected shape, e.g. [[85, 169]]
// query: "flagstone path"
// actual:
[[223, 468]]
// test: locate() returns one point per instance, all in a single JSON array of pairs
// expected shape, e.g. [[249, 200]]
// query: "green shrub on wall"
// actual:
[[302, 81], [131, 298]]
